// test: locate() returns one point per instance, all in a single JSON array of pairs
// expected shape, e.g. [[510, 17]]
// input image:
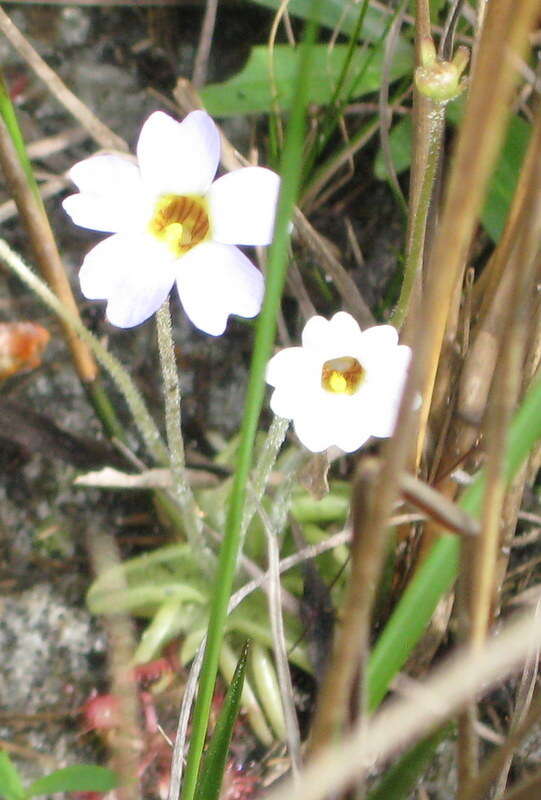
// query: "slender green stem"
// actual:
[[414, 258], [261, 474], [437, 573], [141, 417], [291, 167], [190, 513]]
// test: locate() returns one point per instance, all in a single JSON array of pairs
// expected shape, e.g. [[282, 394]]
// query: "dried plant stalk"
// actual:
[[45, 249]]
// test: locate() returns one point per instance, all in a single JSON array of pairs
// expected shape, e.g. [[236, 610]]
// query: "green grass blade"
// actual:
[[9, 116], [439, 570], [291, 166], [213, 766]]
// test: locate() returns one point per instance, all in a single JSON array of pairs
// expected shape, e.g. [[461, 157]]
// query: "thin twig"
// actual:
[[101, 134], [199, 75], [125, 745], [346, 286], [506, 28]]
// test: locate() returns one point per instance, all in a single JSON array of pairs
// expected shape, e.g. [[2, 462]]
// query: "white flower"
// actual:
[[343, 385], [171, 223]]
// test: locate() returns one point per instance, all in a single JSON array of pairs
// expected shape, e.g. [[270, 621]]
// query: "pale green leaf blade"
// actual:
[[10, 783], [250, 90], [77, 778]]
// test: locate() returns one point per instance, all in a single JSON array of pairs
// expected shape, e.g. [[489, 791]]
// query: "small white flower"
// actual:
[[171, 223], [343, 385]]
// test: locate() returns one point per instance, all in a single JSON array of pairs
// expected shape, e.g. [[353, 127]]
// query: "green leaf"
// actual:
[[331, 508], [249, 91], [400, 147], [10, 783], [213, 765], [336, 13], [504, 179], [78, 778]]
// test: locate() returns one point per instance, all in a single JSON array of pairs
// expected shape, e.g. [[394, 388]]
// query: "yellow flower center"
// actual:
[[180, 222], [342, 375]]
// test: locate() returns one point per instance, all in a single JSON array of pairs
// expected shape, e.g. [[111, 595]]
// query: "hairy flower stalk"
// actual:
[[439, 82], [191, 516]]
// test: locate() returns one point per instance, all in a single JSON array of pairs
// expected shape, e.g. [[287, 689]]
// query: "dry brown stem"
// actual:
[[506, 30], [45, 250], [444, 692], [351, 642]]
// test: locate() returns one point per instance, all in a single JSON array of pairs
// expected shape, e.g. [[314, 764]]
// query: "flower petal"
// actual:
[[380, 336], [285, 366], [339, 336], [313, 434], [344, 326], [103, 174], [313, 438], [112, 197], [131, 272], [352, 439], [316, 332], [178, 157], [106, 214], [243, 206], [216, 280], [376, 346], [296, 376], [385, 391]]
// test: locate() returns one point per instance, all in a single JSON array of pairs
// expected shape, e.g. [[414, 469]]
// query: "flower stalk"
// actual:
[[438, 82]]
